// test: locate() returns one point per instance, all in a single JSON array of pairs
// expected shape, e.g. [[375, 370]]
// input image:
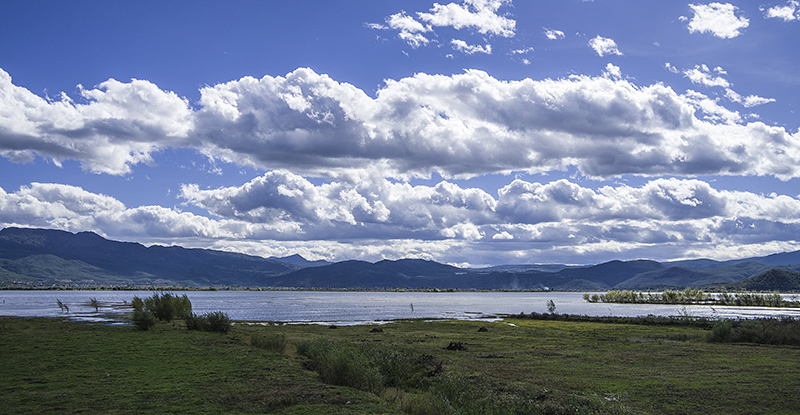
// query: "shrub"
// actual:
[[785, 331], [143, 320], [551, 306], [193, 321], [342, 365], [275, 343], [164, 306], [137, 303], [216, 321], [361, 367], [721, 331]]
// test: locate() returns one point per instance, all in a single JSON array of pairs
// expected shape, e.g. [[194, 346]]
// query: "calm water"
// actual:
[[361, 307]]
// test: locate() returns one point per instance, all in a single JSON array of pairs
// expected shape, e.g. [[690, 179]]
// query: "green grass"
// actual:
[[516, 366], [56, 367]]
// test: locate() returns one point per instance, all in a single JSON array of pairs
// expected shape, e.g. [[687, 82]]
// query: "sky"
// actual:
[[471, 132]]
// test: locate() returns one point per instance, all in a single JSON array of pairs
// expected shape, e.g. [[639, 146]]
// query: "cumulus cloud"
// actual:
[[612, 71], [668, 66], [472, 124], [410, 30], [604, 46], [554, 215], [553, 34], [703, 75], [119, 125], [788, 12], [459, 126], [377, 207], [480, 16], [468, 49], [280, 213], [71, 208], [719, 19], [748, 101]]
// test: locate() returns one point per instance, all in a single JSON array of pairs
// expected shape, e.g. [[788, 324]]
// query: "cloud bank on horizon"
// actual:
[[468, 168]]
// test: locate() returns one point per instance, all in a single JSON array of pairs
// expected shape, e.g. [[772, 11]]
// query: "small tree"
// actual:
[[143, 320], [62, 306], [137, 303], [551, 306]]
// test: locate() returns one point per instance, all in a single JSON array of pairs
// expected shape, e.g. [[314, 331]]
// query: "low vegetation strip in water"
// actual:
[[692, 296]]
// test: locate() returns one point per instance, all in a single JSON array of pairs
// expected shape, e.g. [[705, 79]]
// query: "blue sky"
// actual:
[[473, 132]]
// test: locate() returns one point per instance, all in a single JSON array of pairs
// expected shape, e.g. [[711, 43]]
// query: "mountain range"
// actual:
[[48, 258]]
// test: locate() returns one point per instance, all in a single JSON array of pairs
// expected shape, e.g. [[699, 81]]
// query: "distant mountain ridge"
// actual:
[[297, 259], [135, 263], [45, 257]]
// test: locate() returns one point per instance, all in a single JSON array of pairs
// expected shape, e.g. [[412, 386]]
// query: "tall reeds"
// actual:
[[690, 296], [784, 331]]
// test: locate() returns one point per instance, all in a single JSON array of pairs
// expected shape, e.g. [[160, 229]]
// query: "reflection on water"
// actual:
[[360, 307]]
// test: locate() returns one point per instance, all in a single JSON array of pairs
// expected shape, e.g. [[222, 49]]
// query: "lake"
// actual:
[[353, 307]]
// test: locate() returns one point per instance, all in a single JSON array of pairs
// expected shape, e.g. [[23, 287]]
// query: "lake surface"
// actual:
[[361, 307]]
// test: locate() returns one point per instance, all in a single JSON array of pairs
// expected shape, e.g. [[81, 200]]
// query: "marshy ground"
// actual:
[[518, 365]]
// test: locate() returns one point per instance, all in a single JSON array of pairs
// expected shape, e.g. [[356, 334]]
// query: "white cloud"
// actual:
[[701, 74], [522, 51], [71, 208], [375, 207], [719, 19], [468, 49], [410, 29], [121, 124], [604, 46], [461, 125], [551, 215], [612, 71], [403, 22], [748, 101], [553, 34], [480, 16], [710, 110], [281, 213], [788, 12], [668, 66]]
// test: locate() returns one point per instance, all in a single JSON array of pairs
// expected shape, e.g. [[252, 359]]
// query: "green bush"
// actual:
[[721, 332], [342, 365], [275, 343], [143, 320], [216, 321], [785, 331], [137, 303], [361, 367], [193, 321], [435, 392], [164, 306]]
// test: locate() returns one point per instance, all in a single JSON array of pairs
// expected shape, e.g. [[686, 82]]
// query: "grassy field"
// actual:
[[513, 366]]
